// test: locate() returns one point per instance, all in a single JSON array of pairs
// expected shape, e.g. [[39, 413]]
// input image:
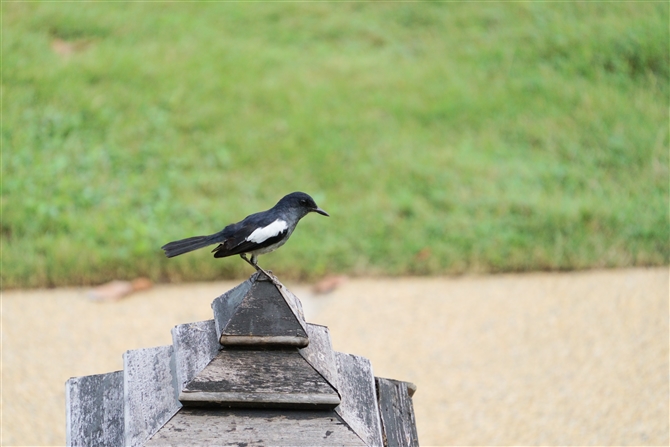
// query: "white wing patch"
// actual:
[[261, 235]]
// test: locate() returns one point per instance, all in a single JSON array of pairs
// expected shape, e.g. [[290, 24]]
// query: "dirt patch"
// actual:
[[551, 359]]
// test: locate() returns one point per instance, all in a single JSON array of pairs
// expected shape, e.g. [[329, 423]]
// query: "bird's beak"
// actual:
[[320, 211]]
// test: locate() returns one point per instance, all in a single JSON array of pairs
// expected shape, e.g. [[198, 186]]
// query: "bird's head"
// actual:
[[300, 202]]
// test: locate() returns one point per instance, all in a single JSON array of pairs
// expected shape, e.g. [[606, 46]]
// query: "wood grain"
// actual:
[[252, 428], [358, 393], [95, 410], [195, 345], [259, 313], [319, 353], [397, 413], [294, 303], [264, 312], [241, 377], [150, 392], [225, 305]]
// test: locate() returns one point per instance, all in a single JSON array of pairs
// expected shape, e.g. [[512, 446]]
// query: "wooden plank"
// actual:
[[252, 399], [319, 353], [264, 317], [225, 305], [94, 410], [255, 428], [359, 398], [411, 388], [150, 392], [397, 413], [278, 378], [195, 345], [264, 341], [294, 303]]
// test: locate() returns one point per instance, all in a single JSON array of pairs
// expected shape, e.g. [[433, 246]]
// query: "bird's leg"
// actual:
[[254, 263], [244, 256]]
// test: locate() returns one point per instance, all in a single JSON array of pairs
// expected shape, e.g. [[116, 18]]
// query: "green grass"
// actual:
[[441, 137]]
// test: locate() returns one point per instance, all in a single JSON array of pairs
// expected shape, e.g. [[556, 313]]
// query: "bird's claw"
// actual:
[[270, 276], [260, 269]]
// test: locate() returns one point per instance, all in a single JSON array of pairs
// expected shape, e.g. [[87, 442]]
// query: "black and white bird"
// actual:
[[257, 234]]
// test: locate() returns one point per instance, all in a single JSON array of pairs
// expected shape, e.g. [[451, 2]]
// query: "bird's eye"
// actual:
[[303, 202]]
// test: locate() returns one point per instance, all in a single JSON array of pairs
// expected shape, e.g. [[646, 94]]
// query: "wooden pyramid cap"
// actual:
[[260, 313], [278, 378], [292, 378]]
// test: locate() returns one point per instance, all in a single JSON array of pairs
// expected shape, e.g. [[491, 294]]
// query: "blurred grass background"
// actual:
[[441, 137]]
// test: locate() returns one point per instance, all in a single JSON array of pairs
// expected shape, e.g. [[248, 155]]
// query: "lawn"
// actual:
[[441, 137]]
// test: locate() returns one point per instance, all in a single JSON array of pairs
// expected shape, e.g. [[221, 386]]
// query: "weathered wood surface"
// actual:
[[253, 428], [264, 316], [319, 353], [225, 305], [294, 303], [357, 389], [150, 392], [278, 378], [94, 410], [195, 345], [397, 413], [411, 388]]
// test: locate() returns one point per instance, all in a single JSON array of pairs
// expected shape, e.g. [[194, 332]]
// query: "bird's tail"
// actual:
[[182, 246]]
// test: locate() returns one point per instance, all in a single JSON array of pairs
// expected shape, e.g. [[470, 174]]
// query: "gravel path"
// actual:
[[541, 358]]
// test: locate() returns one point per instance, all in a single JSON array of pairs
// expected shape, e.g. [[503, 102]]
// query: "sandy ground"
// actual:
[[533, 359]]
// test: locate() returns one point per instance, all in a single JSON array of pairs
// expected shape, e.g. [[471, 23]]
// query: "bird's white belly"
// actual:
[[269, 248]]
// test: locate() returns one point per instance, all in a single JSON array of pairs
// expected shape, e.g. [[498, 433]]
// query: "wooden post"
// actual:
[[260, 313], [150, 397], [95, 410], [257, 374], [195, 345], [358, 408], [397, 412]]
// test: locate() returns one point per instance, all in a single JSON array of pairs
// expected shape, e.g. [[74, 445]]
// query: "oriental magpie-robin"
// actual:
[[257, 234]]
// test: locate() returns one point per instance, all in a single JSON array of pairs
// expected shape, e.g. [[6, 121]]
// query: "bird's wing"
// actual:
[[253, 233]]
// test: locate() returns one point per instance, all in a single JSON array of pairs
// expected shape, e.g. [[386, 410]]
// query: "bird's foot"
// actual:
[[270, 275], [258, 268]]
